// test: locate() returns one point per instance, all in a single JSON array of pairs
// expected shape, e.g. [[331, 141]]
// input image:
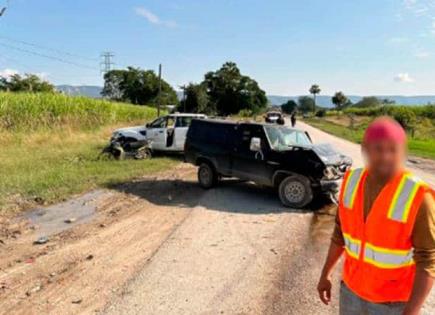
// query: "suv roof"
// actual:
[[187, 115], [241, 122]]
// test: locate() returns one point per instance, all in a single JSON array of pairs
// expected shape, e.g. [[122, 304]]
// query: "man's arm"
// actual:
[[423, 238], [334, 253], [325, 285], [422, 285]]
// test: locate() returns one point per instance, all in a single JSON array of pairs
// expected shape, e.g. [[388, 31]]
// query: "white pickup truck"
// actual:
[[166, 133]]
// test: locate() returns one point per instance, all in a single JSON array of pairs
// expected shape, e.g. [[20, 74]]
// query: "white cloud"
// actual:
[[7, 73], [403, 77], [43, 75], [153, 18], [422, 55]]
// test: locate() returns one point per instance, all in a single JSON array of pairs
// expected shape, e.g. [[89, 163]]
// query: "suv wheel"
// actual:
[[295, 191], [207, 177]]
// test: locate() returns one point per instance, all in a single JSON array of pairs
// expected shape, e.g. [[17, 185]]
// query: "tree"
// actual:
[[137, 86], [289, 107], [26, 83], [369, 101], [387, 101], [306, 104], [229, 91], [314, 90], [340, 100], [196, 99]]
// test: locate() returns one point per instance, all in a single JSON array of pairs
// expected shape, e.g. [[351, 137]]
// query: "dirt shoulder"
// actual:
[[80, 270]]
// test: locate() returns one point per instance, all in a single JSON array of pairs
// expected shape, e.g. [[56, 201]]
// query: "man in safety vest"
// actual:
[[385, 227]]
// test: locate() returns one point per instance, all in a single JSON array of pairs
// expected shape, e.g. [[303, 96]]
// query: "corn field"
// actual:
[[39, 111]]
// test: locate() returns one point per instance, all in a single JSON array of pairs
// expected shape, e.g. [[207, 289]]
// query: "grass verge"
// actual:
[[50, 145], [45, 167], [419, 147]]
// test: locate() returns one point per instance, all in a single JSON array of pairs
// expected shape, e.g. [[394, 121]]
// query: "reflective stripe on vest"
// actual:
[[351, 187], [387, 258], [402, 200], [352, 246]]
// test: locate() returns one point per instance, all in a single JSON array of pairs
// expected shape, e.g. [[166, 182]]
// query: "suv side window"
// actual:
[[159, 123], [251, 131]]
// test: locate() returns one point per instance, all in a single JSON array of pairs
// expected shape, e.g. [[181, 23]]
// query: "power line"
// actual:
[[48, 56], [58, 51]]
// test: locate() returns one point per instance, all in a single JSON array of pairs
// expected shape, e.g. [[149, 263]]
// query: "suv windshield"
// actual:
[[281, 138]]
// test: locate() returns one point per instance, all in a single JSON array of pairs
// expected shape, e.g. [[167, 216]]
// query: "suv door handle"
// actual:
[[161, 131]]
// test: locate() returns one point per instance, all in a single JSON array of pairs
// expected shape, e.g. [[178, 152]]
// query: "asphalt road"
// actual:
[[238, 251]]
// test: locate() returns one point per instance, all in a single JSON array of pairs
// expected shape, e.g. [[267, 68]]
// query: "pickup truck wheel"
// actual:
[[207, 176], [295, 191]]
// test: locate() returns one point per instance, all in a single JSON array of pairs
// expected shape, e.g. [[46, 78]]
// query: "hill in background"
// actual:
[[322, 100], [81, 90]]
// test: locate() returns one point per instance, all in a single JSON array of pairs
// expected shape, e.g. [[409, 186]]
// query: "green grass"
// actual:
[[50, 169], [50, 144], [419, 147]]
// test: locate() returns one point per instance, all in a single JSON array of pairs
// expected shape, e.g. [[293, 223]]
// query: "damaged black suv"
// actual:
[[270, 155]]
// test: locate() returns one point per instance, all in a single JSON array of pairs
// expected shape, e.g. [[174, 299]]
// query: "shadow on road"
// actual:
[[230, 196]]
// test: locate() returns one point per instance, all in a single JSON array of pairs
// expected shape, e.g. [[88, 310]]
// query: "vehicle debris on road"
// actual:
[[41, 240]]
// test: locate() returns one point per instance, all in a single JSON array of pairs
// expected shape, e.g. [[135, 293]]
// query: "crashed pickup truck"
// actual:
[[270, 155], [166, 133]]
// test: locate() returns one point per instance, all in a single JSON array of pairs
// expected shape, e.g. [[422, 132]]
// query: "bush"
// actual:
[[334, 113], [427, 111], [321, 113], [245, 113], [406, 117]]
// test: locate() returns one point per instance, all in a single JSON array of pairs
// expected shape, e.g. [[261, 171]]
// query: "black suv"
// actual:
[[271, 155]]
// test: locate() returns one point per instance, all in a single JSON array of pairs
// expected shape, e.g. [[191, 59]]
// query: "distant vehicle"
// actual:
[[274, 117], [166, 133], [271, 155]]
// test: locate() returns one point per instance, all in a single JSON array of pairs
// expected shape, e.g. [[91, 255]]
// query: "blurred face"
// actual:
[[385, 157]]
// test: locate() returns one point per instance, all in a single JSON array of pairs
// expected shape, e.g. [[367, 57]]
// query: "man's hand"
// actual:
[[324, 288], [325, 285]]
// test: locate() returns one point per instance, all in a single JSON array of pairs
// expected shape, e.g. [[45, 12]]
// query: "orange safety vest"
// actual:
[[379, 265]]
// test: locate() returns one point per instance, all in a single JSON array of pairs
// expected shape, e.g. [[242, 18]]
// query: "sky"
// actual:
[[360, 47]]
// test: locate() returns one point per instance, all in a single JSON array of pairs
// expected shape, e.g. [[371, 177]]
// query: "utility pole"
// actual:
[[107, 62], [160, 90], [183, 87], [3, 9]]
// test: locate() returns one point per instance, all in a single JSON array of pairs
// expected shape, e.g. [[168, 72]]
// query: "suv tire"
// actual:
[[207, 176], [295, 191]]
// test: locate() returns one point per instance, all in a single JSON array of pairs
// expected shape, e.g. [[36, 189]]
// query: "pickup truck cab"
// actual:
[[166, 133], [271, 155]]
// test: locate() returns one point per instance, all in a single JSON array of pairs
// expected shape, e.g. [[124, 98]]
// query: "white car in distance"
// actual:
[[166, 133]]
